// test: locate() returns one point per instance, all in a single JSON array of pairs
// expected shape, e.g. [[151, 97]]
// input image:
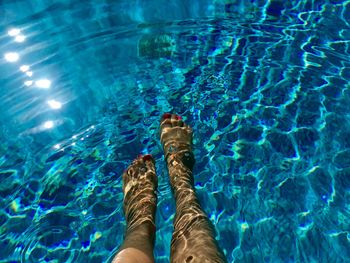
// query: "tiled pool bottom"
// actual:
[[268, 101], [260, 186]]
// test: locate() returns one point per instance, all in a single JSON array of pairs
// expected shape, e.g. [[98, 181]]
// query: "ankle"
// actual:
[[145, 229]]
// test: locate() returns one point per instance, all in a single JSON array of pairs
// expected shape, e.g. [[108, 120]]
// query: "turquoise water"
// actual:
[[264, 84]]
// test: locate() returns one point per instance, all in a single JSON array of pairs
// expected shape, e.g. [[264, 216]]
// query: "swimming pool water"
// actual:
[[264, 84]]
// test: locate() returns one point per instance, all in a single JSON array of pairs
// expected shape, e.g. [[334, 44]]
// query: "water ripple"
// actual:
[[264, 85]]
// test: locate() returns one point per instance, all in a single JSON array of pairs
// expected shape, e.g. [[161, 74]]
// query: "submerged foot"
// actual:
[[176, 138], [139, 188], [193, 237]]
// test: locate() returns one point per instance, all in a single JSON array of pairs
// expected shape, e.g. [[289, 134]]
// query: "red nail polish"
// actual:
[[178, 117], [147, 157], [166, 116]]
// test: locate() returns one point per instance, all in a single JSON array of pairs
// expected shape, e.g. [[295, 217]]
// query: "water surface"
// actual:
[[264, 84]]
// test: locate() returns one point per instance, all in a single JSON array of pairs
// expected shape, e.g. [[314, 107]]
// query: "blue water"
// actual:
[[264, 84]]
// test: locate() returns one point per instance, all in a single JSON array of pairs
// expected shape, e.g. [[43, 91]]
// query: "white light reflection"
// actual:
[[45, 126], [20, 38], [24, 68], [43, 83], [13, 32], [11, 56], [48, 125], [29, 73], [57, 146], [54, 104], [28, 83]]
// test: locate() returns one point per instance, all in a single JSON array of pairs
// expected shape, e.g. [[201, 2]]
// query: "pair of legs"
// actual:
[[193, 237]]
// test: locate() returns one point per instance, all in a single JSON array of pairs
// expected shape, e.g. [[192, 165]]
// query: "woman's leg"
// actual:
[[140, 200], [193, 237]]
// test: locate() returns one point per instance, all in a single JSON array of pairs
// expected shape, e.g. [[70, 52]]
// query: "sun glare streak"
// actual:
[[48, 125], [28, 83], [24, 68], [20, 38], [14, 32], [43, 83], [11, 56], [54, 104], [57, 146]]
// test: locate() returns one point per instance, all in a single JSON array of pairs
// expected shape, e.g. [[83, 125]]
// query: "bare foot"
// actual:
[[193, 237], [139, 187], [176, 138], [140, 200]]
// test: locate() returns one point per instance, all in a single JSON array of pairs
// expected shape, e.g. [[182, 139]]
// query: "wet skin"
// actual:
[[193, 237]]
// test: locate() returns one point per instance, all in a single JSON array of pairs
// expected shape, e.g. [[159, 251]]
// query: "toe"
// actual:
[[176, 120], [148, 157], [166, 116], [176, 117], [171, 120], [143, 163], [140, 166], [166, 123], [149, 161]]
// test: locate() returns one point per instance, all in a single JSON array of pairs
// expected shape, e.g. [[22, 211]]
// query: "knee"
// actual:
[[132, 255]]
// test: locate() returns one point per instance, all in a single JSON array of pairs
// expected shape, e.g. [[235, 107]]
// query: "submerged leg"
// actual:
[[139, 187], [193, 237]]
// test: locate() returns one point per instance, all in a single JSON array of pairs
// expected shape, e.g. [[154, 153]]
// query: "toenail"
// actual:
[[166, 116], [177, 117], [147, 157]]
